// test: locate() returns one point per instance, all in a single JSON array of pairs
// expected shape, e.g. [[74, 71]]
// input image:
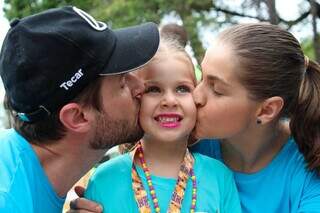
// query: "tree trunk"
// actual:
[[273, 16], [191, 26], [316, 41]]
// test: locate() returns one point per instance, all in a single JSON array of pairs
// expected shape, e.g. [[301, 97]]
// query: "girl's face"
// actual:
[[224, 109], [168, 112]]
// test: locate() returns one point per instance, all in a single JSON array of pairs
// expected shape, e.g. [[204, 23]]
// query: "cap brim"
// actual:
[[135, 46]]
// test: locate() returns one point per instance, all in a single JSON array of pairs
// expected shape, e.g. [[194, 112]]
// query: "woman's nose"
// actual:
[[199, 95]]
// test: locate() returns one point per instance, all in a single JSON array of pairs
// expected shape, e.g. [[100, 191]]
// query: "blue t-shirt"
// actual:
[[111, 186], [24, 186], [284, 185]]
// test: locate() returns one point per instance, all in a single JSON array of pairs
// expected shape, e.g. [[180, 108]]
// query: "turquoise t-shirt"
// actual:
[[24, 186], [111, 186], [283, 186]]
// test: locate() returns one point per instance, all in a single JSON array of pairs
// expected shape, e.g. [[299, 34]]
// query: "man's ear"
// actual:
[[270, 109], [75, 117]]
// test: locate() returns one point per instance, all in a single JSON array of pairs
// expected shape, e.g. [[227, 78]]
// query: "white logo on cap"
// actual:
[[68, 84], [97, 25]]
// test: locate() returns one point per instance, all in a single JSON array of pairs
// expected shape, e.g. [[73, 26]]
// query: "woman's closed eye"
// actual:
[[215, 91]]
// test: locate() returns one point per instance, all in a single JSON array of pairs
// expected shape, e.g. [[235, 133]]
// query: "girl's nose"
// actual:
[[169, 100]]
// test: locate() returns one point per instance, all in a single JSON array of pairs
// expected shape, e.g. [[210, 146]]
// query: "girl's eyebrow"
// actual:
[[156, 82], [150, 82]]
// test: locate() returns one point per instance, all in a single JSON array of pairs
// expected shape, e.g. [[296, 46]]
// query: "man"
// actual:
[[69, 89]]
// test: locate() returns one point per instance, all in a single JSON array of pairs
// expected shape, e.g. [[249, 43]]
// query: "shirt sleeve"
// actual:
[[91, 192], [231, 201], [8, 204], [205, 147], [98, 191], [310, 200]]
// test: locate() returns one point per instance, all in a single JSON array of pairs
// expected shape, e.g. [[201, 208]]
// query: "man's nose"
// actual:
[[136, 85]]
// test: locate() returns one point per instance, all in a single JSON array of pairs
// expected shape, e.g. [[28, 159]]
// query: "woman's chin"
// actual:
[[197, 134]]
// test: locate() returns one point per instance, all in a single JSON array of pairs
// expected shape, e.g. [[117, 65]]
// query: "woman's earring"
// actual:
[[259, 121]]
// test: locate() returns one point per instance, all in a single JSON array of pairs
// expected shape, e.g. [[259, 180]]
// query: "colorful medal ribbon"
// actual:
[[186, 171]]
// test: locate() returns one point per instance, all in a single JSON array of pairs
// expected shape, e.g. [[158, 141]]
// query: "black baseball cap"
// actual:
[[48, 58]]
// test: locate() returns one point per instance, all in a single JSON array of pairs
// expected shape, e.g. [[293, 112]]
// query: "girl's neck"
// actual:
[[163, 158], [252, 152]]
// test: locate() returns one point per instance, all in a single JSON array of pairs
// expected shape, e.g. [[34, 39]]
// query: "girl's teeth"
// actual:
[[166, 119]]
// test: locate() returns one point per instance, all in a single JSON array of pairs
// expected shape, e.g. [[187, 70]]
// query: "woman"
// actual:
[[255, 79]]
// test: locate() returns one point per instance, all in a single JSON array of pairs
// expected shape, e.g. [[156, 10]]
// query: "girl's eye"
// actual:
[[152, 89], [183, 89]]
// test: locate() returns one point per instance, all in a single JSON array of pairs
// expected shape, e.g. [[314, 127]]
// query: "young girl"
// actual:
[[160, 174], [256, 80]]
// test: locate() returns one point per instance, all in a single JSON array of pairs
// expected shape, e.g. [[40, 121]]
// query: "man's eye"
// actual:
[[152, 89], [183, 89], [123, 81]]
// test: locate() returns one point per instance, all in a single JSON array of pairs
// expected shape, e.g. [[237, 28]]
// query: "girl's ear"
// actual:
[[269, 109], [76, 118]]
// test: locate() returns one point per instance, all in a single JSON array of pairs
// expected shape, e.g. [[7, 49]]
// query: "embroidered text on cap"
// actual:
[[68, 84]]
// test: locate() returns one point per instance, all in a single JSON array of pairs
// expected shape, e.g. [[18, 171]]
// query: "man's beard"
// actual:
[[111, 132]]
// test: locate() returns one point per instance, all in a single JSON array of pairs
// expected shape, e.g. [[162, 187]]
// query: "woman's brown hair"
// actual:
[[273, 64]]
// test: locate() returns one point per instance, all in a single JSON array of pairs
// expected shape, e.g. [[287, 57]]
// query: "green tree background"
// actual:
[[121, 13], [194, 14]]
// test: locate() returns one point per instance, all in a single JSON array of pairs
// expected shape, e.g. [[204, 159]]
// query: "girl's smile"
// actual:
[[169, 120]]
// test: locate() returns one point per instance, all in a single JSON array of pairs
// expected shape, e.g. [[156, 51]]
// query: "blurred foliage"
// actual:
[[194, 14], [22, 8], [121, 13], [308, 48]]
